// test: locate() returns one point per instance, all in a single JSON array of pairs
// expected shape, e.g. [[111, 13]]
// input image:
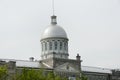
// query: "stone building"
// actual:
[[55, 53], [116, 74], [55, 57], [96, 73]]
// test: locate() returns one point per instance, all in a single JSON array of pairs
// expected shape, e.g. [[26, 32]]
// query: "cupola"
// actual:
[[54, 41], [54, 30]]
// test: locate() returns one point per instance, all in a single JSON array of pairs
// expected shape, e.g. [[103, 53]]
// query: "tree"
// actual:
[[39, 74], [83, 77], [50, 76], [33, 74], [29, 74], [3, 72]]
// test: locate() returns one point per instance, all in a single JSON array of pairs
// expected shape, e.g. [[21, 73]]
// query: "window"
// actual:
[[60, 45], [61, 56], [65, 46], [42, 46], [45, 46], [50, 45], [55, 45]]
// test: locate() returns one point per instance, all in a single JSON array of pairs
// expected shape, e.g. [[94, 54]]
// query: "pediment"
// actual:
[[67, 67]]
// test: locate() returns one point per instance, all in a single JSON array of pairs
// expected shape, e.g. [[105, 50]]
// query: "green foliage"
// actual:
[[32, 74], [57, 78], [50, 76], [3, 72], [83, 77]]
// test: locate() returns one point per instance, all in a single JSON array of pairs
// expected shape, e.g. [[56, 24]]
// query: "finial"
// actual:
[[53, 20]]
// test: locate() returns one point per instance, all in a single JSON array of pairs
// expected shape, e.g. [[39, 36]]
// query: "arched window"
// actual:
[[60, 45], [42, 46], [45, 46], [65, 46], [55, 45], [50, 45]]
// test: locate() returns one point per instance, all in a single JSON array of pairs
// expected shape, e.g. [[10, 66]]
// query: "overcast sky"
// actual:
[[92, 26]]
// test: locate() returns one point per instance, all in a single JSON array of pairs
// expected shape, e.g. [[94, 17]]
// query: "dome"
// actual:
[[53, 31]]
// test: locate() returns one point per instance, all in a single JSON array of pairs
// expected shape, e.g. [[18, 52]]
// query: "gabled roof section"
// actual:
[[46, 65], [67, 67]]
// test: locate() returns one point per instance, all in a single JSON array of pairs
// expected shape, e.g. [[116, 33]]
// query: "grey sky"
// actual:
[[93, 28]]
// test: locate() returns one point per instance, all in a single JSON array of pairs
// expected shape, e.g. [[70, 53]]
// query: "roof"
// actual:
[[33, 64], [53, 31], [36, 64], [96, 69], [24, 63]]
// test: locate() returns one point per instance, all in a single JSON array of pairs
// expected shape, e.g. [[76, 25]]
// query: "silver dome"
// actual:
[[53, 31]]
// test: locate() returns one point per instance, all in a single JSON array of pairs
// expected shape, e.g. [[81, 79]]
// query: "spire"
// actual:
[[53, 8], [53, 20]]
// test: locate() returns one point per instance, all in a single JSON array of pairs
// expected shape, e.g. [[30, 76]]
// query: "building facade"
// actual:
[[54, 44], [55, 57]]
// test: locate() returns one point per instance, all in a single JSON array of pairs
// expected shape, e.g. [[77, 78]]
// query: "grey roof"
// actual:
[[36, 64], [33, 64], [96, 69], [24, 63]]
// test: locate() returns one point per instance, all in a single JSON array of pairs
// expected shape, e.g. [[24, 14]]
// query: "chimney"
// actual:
[[78, 57], [31, 58]]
